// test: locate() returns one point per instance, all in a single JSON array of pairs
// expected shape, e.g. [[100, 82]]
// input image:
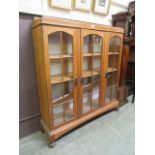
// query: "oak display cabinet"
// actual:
[[78, 69]]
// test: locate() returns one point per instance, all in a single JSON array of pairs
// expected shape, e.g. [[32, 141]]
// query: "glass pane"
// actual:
[[115, 44], [58, 115], [68, 68], [91, 89], [54, 44], [114, 92], [112, 79], [87, 66], [92, 44], [96, 83], [95, 98], [87, 94], [108, 94], [118, 44], [68, 110], [60, 44], [62, 92], [95, 91], [112, 45], [57, 91], [116, 61], [87, 84], [63, 112], [111, 93], [87, 99], [97, 44], [110, 61], [113, 61], [56, 70], [96, 65]]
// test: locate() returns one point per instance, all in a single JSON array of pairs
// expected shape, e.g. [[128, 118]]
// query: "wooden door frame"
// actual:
[[103, 35], [71, 31], [109, 37]]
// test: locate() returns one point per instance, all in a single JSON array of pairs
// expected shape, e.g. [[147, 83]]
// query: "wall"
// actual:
[[28, 101], [29, 111], [42, 7]]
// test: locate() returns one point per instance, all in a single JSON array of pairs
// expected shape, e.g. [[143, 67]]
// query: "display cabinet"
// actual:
[[78, 69]]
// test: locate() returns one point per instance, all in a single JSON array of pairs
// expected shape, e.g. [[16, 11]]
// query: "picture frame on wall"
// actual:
[[102, 6], [63, 4], [83, 5]]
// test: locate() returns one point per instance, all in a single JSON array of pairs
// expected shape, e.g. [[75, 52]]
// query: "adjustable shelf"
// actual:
[[60, 56], [110, 69], [59, 79], [61, 100], [90, 73], [113, 53]]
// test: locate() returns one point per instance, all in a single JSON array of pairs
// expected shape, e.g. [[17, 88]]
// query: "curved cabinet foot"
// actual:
[[51, 144]]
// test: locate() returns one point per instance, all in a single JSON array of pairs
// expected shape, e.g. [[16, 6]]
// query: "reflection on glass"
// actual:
[[58, 115], [62, 91], [95, 100], [63, 113], [61, 56], [60, 44], [61, 59], [92, 44], [114, 45], [118, 44], [91, 91], [113, 61], [87, 99], [97, 65]]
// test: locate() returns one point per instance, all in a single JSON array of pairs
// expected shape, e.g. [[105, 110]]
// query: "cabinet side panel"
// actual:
[[41, 74], [120, 58]]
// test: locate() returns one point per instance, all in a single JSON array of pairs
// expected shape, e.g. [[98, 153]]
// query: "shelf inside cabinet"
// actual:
[[87, 73], [88, 54], [96, 54], [90, 73], [96, 72], [89, 85], [60, 56], [113, 85], [59, 79], [113, 53], [110, 69], [91, 54], [61, 100]]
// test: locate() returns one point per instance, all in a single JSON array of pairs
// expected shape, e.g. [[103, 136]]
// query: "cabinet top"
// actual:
[[73, 23]]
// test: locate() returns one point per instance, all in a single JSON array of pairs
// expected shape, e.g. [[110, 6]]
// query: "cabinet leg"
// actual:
[[51, 144]]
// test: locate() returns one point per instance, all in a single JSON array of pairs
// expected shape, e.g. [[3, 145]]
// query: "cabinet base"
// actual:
[[58, 132]]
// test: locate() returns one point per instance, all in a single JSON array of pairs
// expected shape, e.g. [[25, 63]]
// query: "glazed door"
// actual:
[[113, 65], [63, 74], [91, 70]]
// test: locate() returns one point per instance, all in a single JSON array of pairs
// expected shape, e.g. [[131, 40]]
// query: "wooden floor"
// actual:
[[110, 134]]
